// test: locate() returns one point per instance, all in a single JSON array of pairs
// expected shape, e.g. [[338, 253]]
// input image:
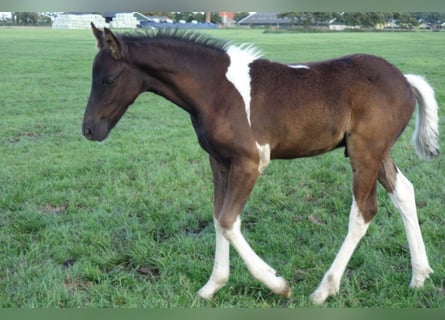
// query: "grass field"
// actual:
[[128, 223]]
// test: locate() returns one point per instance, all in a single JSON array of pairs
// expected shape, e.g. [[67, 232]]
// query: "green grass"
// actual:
[[128, 223]]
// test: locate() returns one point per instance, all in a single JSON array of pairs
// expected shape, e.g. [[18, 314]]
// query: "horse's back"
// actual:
[[310, 108]]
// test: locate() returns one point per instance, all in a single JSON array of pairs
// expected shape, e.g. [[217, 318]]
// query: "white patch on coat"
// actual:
[[264, 153], [403, 199], [259, 269], [221, 266], [238, 72], [299, 66], [330, 284]]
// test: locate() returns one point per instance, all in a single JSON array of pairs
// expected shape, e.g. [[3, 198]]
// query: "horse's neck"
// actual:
[[180, 75]]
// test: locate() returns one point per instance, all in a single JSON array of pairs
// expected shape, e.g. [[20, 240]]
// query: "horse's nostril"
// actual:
[[95, 130], [88, 133]]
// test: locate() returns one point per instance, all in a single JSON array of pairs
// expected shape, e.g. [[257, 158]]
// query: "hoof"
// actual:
[[318, 297], [287, 294], [418, 280], [205, 294], [281, 287]]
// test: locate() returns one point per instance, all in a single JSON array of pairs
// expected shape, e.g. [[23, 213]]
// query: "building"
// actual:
[[228, 18], [264, 19]]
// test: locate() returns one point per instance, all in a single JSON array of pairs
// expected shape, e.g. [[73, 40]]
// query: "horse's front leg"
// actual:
[[221, 266], [240, 181]]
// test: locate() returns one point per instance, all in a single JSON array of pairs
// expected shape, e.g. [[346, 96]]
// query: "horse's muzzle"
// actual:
[[95, 131]]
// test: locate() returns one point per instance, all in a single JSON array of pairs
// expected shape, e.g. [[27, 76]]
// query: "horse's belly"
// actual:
[[307, 146]]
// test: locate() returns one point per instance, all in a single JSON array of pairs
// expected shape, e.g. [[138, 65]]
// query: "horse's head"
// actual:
[[115, 85]]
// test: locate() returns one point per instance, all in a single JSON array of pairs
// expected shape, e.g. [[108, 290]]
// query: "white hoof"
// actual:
[[206, 293], [419, 277], [318, 296], [283, 288], [329, 286]]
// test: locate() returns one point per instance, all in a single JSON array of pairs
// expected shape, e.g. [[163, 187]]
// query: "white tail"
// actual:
[[426, 134]]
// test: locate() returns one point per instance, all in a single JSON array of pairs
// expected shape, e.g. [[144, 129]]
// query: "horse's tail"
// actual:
[[426, 134]]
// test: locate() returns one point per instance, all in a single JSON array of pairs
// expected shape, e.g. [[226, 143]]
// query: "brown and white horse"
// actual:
[[247, 111]]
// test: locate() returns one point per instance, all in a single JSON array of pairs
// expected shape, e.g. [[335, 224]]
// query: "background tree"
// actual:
[[405, 20], [321, 18], [216, 18], [292, 16], [30, 19], [432, 19], [240, 16], [186, 16], [196, 16], [364, 19], [307, 19], [169, 15]]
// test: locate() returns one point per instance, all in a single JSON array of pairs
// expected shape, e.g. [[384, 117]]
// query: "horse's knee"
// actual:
[[227, 222], [368, 208], [365, 195], [369, 213]]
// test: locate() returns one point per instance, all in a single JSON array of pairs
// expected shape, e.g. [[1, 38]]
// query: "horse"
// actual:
[[247, 111]]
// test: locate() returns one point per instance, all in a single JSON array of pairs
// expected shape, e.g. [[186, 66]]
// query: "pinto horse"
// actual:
[[247, 110]]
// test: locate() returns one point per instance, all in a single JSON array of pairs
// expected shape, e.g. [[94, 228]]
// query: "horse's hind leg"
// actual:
[[401, 192], [362, 211], [364, 206], [330, 284]]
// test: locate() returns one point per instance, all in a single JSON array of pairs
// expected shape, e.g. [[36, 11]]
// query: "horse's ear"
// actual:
[[99, 36], [113, 43]]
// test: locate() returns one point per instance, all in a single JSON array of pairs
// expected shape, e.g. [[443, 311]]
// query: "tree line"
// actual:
[[28, 19], [404, 20]]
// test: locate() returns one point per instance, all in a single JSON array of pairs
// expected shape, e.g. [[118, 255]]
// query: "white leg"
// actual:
[[404, 200], [221, 266], [256, 266], [330, 284]]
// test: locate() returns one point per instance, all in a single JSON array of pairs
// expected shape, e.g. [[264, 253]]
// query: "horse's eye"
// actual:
[[109, 80]]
